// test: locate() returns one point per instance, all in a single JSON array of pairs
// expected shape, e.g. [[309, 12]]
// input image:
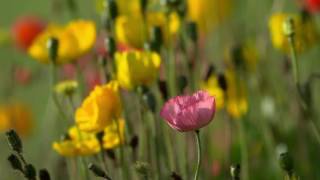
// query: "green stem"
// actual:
[[306, 107], [122, 158], [244, 150], [196, 174]]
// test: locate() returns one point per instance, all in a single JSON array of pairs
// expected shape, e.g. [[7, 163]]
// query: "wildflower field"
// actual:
[[160, 89]]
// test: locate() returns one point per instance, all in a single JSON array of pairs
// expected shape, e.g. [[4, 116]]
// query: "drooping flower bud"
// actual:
[[14, 141], [286, 162], [44, 174], [112, 9], [98, 171], [30, 171], [288, 27], [15, 162], [53, 47]]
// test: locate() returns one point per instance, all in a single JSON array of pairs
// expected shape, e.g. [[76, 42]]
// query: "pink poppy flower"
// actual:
[[187, 113]]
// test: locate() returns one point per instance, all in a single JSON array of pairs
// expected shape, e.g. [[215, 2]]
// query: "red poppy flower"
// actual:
[[25, 30]]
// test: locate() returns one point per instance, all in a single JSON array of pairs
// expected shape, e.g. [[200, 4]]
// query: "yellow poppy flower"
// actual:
[[208, 13], [130, 29], [212, 86], [78, 143], [136, 68], [75, 39], [237, 103], [100, 108], [305, 32], [111, 137], [16, 116]]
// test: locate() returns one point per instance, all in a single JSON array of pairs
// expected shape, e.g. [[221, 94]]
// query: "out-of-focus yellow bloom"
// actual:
[[212, 86], [136, 68], [100, 108], [208, 13], [114, 134], [66, 87], [75, 39], [305, 32], [16, 116], [237, 103], [130, 30], [234, 98], [245, 55], [125, 7], [77, 143]]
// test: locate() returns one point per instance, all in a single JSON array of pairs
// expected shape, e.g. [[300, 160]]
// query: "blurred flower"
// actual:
[[125, 7], [305, 32], [208, 14], [136, 68], [187, 113], [75, 39], [233, 97], [237, 103], [100, 108], [16, 116], [313, 5], [213, 88], [26, 29], [111, 137], [243, 55], [22, 75], [130, 29], [66, 87], [77, 143]]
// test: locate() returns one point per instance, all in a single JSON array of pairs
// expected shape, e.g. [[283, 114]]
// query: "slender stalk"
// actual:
[[306, 107], [197, 135], [122, 158], [244, 151]]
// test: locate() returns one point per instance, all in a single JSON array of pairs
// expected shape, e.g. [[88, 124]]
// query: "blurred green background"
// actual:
[[249, 21]]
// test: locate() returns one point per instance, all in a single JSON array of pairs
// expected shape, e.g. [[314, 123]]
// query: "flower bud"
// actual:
[[14, 141], [192, 31], [134, 142], [235, 172], [30, 171], [222, 81], [156, 38], [163, 89], [98, 171], [15, 162], [53, 47], [44, 174], [112, 9], [111, 46], [288, 27], [67, 87], [286, 162]]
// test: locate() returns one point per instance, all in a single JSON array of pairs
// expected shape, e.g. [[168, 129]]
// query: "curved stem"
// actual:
[[196, 174]]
